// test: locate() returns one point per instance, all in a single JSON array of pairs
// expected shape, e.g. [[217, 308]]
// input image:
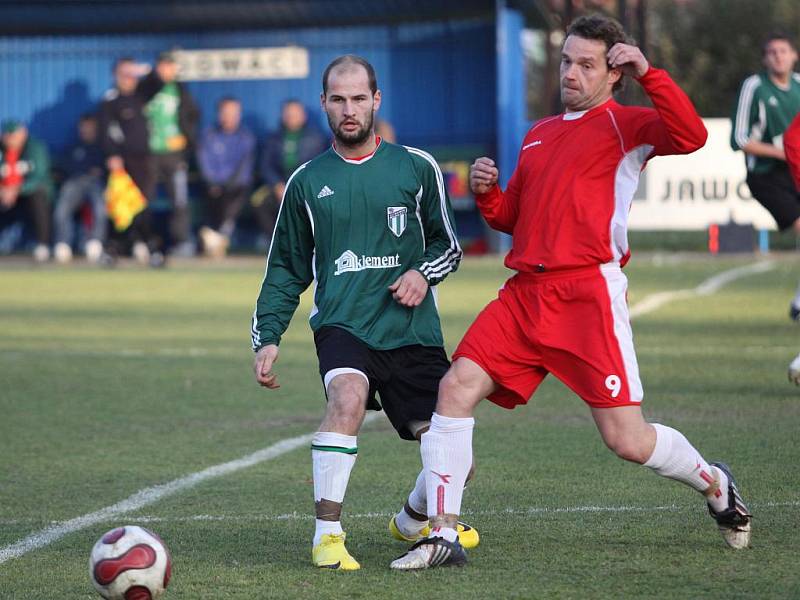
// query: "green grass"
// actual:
[[115, 381]]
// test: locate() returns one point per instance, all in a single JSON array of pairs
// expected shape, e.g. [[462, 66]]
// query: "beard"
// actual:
[[355, 138]]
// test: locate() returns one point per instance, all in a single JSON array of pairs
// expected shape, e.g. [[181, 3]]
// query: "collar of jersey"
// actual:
[[361, 159], [574, 116]]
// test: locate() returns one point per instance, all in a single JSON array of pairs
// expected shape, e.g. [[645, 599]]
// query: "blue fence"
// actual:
[[437, 79]]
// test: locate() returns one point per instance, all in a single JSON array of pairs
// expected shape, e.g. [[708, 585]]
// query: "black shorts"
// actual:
[[776, 192], [406, 378]]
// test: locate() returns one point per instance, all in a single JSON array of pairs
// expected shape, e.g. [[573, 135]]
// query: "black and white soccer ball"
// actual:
[[130, 563]]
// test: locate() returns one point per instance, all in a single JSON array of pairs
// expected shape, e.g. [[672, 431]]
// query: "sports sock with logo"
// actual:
[[674, 457], [446, 458], [332, 457]]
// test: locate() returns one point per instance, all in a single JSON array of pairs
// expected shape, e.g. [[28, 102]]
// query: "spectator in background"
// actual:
[[172, 118], [25, 181], [385, 131], [226, 156], [768, 101], [84, 180], [294, 143], [125, 140]]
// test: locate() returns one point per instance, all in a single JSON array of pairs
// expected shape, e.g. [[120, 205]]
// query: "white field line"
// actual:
[[149, 495], [706, 288], [520, 511]]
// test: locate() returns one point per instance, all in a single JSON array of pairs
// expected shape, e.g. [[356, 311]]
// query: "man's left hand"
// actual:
[[8, 196], [409, 289], [628, 59]]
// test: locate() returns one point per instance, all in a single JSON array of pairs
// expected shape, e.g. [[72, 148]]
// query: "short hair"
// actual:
[[351, 59], [602, 28], [121, 60], [777, 35], [89, 116], [226, 100], [289, 101]]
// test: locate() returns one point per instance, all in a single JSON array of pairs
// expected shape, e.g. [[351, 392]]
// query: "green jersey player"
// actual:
[[371, 225]]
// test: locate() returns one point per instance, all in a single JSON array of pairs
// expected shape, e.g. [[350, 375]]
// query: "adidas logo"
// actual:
[[326, 191]]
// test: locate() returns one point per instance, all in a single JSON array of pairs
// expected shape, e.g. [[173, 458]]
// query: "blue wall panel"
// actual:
[[437, 79]]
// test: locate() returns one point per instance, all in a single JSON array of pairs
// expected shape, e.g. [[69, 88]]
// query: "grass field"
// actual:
[[111, 382]]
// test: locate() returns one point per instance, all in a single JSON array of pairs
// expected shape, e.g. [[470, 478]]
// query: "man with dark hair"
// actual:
[[172, 118], [295, 142], [565, 310], [767, 103], [25, 181], [83, 169], [125, 138], [225, 155], [371, 225]]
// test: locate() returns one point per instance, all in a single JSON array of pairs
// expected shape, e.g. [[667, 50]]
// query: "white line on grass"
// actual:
[[525, 510], [706, 288], [149, 495]]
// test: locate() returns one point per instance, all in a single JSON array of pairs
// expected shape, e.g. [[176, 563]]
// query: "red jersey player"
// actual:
[[791, 146], [565, 310]]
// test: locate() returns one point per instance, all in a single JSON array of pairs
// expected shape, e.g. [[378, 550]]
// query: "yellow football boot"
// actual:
[[330, 553], [468, 536]]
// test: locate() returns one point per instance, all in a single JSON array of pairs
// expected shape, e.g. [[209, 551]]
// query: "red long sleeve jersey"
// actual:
[[791, 146], [567, 202]]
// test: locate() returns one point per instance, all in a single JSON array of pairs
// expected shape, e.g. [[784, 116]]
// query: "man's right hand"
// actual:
[[114, 163], [265, 358], [482, 175]]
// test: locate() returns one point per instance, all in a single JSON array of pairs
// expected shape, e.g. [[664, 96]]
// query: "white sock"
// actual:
[[332, 458], [674, 457], [417, 499], [323, 527], [407, 524], [446, 458]]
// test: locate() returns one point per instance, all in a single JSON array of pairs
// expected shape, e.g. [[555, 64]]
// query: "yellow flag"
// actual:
[[123, 199]]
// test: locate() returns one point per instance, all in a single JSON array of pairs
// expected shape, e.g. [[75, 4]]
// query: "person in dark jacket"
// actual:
[[25, 181], [83, 168], [172, 117], [226, 156], [125, 138], [294, 143]]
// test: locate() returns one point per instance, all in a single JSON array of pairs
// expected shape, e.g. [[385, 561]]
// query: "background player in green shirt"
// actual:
[[371, 225], [768, 101]]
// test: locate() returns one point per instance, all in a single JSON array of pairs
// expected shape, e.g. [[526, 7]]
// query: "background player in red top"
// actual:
[[565, 310]]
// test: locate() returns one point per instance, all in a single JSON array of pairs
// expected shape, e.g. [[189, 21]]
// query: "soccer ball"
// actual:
[[130, 563]]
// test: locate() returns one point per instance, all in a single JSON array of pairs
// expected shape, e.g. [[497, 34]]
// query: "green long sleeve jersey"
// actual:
[[763, 112], [353, 226]]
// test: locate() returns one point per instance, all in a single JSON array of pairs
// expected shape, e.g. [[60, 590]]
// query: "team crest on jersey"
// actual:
[[397, 218]]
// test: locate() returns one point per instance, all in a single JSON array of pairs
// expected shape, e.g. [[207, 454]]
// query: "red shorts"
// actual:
[[571, 323]]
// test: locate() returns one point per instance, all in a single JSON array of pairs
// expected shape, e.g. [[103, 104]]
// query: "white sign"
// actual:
[[290, 62], [697, 190]]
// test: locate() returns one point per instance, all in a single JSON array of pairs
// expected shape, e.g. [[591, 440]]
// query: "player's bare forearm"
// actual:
[[763, 149], [409, 289], [265, 358]]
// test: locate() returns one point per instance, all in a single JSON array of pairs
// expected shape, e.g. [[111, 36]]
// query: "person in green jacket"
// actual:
[[25, 181], [370, 224]]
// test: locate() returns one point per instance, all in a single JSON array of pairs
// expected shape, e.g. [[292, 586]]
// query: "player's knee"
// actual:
[[452, 391], [627, 447], [346, 400]]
